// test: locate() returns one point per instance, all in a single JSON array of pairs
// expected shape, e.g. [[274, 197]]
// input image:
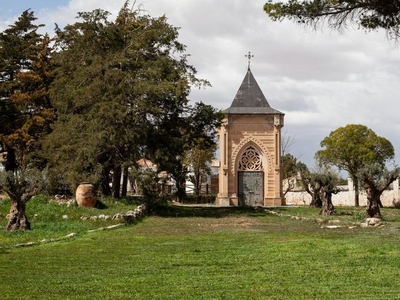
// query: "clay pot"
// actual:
[[85, 195]]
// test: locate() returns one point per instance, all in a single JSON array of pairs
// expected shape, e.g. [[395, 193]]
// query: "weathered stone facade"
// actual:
[[250, 150]]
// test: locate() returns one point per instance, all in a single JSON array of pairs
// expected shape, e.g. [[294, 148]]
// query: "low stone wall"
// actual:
[[129, 217], [346, 197], [132, 216]]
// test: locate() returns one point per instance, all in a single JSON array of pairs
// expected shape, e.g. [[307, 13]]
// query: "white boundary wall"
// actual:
[[346, 197]]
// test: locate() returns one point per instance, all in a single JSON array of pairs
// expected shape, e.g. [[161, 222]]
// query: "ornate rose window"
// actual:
[[250, 160]]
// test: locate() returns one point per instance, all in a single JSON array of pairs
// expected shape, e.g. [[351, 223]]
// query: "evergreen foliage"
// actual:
[[25, 111], [88, 104], [121, 94]]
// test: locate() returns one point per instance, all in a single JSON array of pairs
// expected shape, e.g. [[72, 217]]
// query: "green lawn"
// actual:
[[213, 253], [50, 220]]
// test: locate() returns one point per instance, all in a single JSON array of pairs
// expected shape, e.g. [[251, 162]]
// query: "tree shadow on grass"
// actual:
[[100, 205], [177, 211]]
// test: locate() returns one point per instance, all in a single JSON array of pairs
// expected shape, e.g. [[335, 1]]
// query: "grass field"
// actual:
[[51, 220], [210, 253]]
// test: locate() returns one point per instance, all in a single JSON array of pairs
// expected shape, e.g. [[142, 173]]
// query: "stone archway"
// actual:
[[250, 140]]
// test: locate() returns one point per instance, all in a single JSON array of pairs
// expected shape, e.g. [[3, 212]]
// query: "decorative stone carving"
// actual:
[[250, 160], [243, 143]]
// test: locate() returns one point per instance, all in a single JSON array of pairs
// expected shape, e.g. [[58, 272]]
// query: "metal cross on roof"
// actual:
[[249, 56]]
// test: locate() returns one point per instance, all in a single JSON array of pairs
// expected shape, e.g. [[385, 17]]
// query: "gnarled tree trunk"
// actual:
[[356, 192], [316, 200], [327, 208], [105, 182], [116, 183], [314, 191], [124, 190], [315, 195], [374, 203], [17, 218], [181, 189]]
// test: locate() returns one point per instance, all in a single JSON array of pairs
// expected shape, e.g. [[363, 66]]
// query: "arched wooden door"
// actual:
[[251, 187], [250, 178]]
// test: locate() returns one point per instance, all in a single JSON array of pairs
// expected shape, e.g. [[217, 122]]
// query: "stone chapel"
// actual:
[[250, 150]]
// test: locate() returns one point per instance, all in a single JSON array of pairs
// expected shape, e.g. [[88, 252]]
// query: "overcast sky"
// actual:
[[321, 80]]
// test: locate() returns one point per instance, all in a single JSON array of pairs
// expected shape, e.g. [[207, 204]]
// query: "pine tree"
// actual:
[[121, 89], [25, 111]]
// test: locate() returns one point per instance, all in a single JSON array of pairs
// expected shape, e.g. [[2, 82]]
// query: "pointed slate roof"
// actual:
[[250, 99]]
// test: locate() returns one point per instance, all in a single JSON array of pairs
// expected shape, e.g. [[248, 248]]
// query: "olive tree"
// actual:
[[375, 179], [354, 147], [321, 184]]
